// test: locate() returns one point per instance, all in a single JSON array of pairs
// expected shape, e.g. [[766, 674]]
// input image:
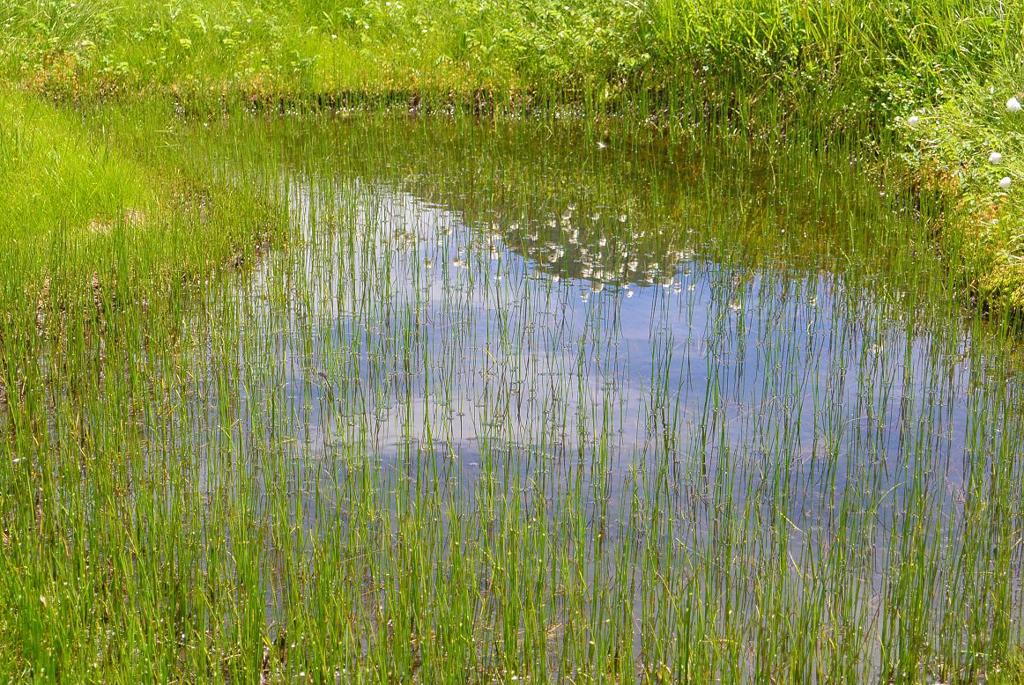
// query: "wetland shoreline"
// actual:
[[634, 342]]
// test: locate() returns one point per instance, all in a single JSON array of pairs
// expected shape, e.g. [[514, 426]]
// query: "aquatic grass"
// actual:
[[789, 456]]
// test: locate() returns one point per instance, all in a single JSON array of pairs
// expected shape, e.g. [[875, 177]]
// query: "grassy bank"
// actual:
[[82, 208], [758, 65]]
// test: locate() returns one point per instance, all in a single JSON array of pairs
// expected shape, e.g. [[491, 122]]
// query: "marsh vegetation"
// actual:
[[511, 342], [507, 404]]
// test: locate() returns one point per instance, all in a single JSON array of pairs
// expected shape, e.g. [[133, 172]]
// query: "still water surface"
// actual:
[[681, 346]]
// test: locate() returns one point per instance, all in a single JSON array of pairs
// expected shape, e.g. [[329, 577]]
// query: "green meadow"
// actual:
[[643, 341]]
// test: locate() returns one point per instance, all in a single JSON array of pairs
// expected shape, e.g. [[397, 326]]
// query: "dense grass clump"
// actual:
[[599, 52]]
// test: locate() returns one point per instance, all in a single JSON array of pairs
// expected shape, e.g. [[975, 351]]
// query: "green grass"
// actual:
[[79, 205], [742, 381], [763, 67], [103, 222], [805, 467]]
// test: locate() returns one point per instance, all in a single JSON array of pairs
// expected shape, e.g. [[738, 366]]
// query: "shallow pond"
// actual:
[[512, 403]]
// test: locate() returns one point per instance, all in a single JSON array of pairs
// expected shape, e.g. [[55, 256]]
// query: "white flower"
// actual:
[[1013, 105], [995, 158], [913, 120], [1004, 182]]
